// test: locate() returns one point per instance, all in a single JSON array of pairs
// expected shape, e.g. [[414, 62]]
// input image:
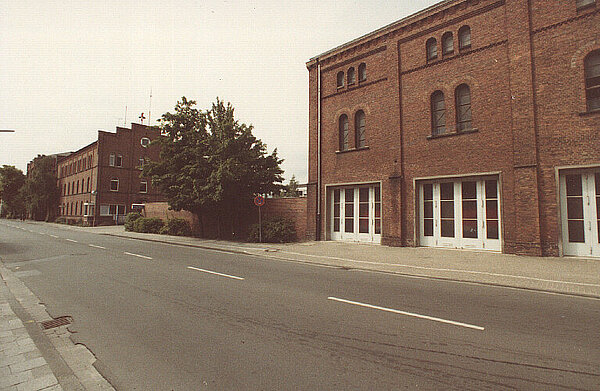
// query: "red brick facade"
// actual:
[[530, 123], [85, 176]]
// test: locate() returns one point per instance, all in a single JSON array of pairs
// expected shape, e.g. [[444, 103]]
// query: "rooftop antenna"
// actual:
[[150, 109]]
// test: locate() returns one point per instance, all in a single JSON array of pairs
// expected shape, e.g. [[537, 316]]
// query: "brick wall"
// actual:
[[525, 73], [294, 209]]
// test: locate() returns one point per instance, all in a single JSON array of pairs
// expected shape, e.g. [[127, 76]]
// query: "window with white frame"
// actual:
[[114, 184], [104, 210], [464, 38], [143, 187], [111, 160], [141, 165], [119, 161], [592, 80]]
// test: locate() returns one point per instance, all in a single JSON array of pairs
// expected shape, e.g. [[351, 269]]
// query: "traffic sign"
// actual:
[[259, 200]]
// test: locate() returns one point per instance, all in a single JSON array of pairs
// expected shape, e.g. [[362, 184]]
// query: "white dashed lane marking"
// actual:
[[216, 273], [376, 307], [137, 255]]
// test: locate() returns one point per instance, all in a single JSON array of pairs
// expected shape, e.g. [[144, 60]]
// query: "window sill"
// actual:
[[591, 112], [450, 134], [352, 150], [586, 6]]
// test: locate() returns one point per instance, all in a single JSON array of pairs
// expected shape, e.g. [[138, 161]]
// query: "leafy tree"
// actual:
[[291, 189], [41, 191], [211, 164], [11, 184]]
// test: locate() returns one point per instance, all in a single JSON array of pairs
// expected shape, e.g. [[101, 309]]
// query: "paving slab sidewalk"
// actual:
[[568, 275], [32, 359]]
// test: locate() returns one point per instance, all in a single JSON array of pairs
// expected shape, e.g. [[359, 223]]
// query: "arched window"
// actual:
[[447, 44], [463, 107], [438, 113], [72, 208], [464, 38], [359, 128], [362, 72], [344, 132], [87, 189], [340, 79], [431, 49], [351, 76], [77, 188], [592, 80]]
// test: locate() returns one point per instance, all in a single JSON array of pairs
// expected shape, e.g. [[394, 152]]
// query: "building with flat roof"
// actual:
[[101, 182], [472, 124]]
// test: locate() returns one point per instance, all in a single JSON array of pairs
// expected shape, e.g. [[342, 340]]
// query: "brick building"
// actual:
[[470, 124], [101, 182]]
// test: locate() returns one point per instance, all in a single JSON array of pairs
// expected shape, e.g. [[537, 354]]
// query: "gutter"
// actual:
[[319, 136]]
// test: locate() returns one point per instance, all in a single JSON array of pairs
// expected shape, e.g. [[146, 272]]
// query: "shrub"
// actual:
[[177, 227], [274, 230], [151, 225], [130, 220]]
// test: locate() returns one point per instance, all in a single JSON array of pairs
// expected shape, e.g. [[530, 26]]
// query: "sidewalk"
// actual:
[[567, 275], [34, 359]]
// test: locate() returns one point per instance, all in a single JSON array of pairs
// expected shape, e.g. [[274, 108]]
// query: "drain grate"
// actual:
[[56, 322]]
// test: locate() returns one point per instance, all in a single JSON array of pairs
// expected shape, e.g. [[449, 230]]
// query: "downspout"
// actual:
[[318, 230]]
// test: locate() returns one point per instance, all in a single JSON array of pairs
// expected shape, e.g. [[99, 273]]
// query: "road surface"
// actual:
[[163, 317]]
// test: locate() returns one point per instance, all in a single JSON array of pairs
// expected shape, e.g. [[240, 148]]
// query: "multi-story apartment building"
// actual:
[[472, 124], [101, 182]]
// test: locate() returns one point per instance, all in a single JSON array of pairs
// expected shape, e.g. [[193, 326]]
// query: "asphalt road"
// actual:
[[167, 317]]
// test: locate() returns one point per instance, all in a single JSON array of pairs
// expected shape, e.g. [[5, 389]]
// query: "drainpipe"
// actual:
[[318, 231]]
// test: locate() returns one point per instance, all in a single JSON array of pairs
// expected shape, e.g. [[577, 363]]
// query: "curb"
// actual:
[[73, 364], [343, 267]]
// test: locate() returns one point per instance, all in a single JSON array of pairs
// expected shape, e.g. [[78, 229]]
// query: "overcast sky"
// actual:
[[70, 68]]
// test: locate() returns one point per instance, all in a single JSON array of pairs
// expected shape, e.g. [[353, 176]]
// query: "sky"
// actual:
[[71, 68]]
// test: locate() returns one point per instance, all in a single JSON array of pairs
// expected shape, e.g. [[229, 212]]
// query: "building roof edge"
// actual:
[[379, 30]]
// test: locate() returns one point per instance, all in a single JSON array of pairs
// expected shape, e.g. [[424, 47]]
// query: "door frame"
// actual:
[[482, 176], [560, 171], [329, 206]]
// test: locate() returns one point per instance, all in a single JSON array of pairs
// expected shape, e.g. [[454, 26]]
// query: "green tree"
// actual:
[[41, 191], [212, 165], [11, 184], [291, 189]]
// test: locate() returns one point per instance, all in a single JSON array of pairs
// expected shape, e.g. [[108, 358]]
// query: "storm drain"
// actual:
[[56, 322]]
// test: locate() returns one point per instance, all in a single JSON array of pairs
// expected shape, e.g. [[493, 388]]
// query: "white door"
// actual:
[[460, 214], [580, 211], [356, 214]]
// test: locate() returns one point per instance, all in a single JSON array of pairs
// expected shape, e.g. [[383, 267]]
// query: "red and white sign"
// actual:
[[259, 200]]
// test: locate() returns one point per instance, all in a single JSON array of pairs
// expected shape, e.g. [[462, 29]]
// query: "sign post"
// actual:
[[259, 201]]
